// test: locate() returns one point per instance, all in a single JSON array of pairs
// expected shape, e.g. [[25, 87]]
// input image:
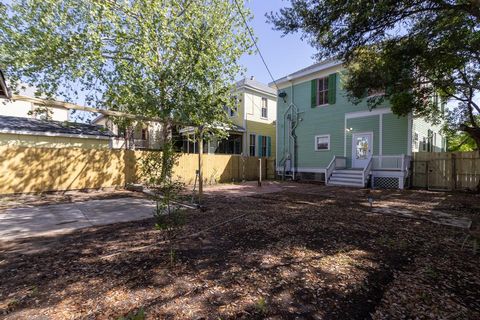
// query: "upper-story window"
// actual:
[[232, 111], [322, 91], [264, 108]]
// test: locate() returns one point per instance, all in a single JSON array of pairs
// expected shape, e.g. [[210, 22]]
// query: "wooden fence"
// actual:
[[446, 170], [25, 169]]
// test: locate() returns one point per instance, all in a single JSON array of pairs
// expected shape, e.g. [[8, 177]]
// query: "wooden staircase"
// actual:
[[347, 177]]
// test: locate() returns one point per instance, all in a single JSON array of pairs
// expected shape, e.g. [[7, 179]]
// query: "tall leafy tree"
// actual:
[[168, 59], [419, 53]]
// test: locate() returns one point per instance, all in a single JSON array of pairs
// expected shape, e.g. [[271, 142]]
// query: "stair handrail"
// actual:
[[366, 170], [329, 169], [332, 166]]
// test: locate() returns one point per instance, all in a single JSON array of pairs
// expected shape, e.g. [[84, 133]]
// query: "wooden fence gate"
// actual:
[[446, 170]]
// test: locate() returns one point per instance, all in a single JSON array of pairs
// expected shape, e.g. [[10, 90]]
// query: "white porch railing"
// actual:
[[391, 163], [336, 163]]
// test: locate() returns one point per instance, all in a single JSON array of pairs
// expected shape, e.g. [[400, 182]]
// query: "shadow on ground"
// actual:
[[295, 254]]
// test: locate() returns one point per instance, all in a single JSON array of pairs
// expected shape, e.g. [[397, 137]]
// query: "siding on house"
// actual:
[[257, 129], [249, 117], [395, 135], [341, 120], [421, 128], [330, 119]]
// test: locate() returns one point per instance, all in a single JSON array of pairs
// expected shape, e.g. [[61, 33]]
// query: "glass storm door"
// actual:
[[362, 144]]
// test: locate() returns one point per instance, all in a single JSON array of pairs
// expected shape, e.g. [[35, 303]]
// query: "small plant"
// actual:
[[134, 315], [261, 306], [172, 256], [157, 173]]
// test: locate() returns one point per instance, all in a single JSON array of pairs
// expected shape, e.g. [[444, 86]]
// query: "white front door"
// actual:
[[362, 145]]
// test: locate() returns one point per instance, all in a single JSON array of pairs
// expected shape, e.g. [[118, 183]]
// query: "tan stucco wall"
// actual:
[[25, 170], [7, 139]]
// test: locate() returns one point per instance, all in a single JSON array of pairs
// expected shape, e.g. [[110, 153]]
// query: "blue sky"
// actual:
[[283, 55]]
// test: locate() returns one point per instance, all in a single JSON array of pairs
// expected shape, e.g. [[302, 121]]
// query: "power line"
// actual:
[[255, 42]]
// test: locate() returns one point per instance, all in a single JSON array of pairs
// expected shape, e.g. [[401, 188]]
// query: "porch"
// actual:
[[386, 171]]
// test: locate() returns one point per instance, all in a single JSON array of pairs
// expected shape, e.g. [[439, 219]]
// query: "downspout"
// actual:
[[293, 154]]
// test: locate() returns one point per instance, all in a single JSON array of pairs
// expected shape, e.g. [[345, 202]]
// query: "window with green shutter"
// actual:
[[324, 90], [260, 149], [332, 88], [313, 92]]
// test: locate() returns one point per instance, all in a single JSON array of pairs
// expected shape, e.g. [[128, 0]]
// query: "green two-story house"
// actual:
[[321, 135]]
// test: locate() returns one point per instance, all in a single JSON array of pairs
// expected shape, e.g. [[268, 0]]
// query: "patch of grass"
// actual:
[[261, 306], [134, 315]]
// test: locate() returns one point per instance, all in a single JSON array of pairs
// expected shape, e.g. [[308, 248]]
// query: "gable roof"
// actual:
[[316, 67], [255, 85], [18, 125], [4, 92]]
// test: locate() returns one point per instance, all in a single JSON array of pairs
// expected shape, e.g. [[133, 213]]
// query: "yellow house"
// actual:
[[254, 120]]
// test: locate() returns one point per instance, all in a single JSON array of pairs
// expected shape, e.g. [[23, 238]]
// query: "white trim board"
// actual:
[[410, 134], [305, 72], [306, 169], [362, 114]]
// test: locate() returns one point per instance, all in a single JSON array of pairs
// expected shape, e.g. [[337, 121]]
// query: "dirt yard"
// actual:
[[303, 252]]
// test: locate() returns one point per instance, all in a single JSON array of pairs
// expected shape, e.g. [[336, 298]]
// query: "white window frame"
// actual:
[[264, 107], [254, 144], [322, 91], [321, 136]]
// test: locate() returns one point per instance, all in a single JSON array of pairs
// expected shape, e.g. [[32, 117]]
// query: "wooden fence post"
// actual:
[[259, 171], [454, 172]]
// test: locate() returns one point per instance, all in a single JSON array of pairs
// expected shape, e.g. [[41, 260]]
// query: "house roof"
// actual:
[[4, 92], [255, 85], [18, 125], [316, 67]]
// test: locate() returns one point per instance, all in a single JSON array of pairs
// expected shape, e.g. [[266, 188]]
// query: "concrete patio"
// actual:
[[17, 223]]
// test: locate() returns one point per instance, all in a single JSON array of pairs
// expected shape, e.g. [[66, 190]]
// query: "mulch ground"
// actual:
[[304, 253]]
